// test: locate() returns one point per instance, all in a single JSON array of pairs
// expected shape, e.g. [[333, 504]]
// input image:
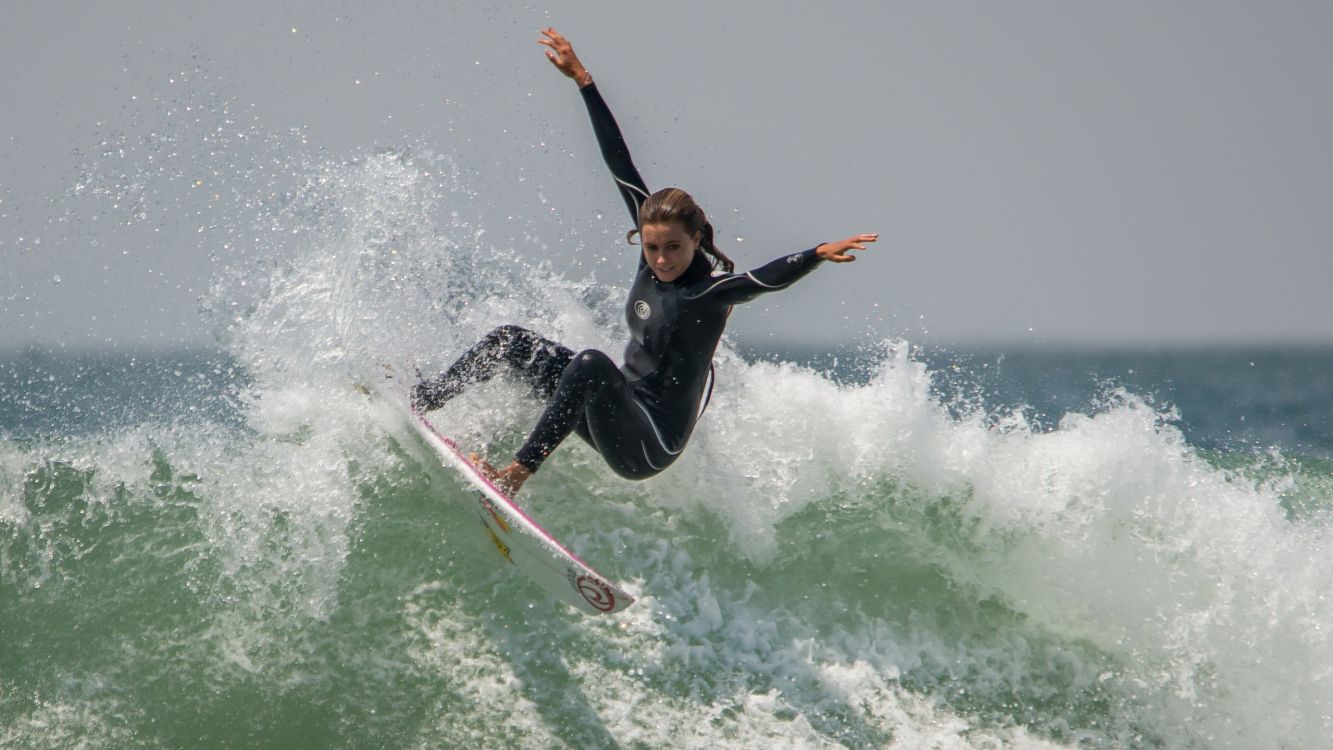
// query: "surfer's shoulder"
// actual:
[[711, 282]]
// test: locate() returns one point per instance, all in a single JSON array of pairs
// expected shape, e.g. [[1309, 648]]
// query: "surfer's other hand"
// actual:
[[838, 251], [561, 54], [508, 480]]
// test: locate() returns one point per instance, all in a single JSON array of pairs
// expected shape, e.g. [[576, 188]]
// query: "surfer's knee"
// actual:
[[594, 357], [592, 360], [428, 395], [506, 335], [509, 330], [512, 344]]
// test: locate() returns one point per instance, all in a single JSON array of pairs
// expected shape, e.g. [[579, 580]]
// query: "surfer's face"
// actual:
[[668, 249]]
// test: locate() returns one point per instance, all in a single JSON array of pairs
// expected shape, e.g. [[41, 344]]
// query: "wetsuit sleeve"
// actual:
[[615, 152], [770, 277]]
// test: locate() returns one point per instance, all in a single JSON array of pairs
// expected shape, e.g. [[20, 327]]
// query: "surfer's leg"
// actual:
[[594, 399], [537, 360], [623, 434], [587, 373]]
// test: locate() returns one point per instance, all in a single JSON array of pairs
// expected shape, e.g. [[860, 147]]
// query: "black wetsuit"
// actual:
[[638, 416]]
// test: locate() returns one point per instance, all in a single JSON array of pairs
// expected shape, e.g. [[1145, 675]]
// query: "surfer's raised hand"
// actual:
[[838, 251], [561, 54]]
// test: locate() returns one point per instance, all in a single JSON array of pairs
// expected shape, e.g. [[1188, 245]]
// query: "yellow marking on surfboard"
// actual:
[[486, 503], [504, 548]]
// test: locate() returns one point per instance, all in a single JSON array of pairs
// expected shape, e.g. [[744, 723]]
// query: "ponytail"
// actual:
[[720, 259]]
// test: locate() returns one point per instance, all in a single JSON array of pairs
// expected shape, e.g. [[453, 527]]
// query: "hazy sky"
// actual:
[[1039, 172]]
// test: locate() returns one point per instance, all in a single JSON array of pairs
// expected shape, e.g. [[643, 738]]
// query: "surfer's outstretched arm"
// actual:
[[736, 288], [614, 150]]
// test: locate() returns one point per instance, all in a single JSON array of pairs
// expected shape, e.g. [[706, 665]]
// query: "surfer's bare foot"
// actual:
[[509, 479]]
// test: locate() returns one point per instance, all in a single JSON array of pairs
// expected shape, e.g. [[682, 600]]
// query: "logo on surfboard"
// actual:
[[597, 594], [522, 542]]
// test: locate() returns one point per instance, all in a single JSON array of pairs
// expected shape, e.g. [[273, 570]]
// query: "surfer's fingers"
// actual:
[[560, 45], [842, 253], [554, 53], [554, 39]]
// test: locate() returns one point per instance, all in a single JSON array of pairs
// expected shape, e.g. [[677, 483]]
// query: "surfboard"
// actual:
[[520, 540]]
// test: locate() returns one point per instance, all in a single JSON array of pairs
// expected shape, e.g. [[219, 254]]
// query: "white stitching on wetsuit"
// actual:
[[637, 189], [653, 424], [760, 283], [649, 459], [711, 288]]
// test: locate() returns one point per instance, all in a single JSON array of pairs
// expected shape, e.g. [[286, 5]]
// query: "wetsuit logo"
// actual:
[[795, 259], [642, 310]]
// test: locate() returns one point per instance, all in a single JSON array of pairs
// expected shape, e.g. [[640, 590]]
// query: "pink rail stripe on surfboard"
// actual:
[[535, 527]]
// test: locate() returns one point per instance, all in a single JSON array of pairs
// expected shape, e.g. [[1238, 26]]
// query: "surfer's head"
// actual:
[[673, 228]]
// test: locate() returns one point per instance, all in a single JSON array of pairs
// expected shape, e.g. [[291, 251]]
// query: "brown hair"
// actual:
[[675, 205]]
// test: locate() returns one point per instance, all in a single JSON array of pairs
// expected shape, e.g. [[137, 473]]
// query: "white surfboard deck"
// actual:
[[521, 540]]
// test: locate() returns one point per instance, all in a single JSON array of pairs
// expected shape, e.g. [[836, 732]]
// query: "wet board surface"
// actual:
[[521, 540]]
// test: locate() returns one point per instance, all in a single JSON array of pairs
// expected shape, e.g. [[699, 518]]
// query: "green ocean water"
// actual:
[[229, 564]]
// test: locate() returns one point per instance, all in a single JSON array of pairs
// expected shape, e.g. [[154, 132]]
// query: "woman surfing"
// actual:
[[638, 416]]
